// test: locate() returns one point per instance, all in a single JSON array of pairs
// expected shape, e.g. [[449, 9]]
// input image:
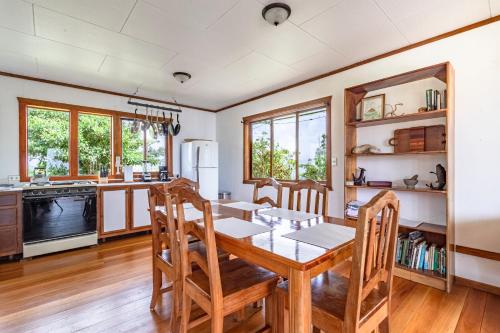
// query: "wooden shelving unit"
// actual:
[[443, 235]]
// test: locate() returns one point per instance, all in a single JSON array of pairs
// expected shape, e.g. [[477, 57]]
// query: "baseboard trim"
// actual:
[[477, 252], [477, 285]]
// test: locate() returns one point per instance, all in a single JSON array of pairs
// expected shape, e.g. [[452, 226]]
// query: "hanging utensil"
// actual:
[[136, 124], [164, 125], [171, 128], [154, 126], [146, 123], [177, 127], [159, 128]]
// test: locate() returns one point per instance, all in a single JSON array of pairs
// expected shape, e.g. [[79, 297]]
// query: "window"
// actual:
[[141, 146], [65, 141], [94, 143], [289, 144], [48, 141]]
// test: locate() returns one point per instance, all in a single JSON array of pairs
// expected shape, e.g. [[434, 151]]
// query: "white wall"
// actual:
[[195, 124], [475, 56]]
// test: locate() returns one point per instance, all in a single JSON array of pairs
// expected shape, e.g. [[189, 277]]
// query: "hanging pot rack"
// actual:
[[151, 106]]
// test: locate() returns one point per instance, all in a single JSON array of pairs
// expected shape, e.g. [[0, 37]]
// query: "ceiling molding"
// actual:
[[102, 91], [372, 59]]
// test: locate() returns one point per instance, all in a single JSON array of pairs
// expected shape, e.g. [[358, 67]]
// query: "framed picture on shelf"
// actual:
[[372, 108]]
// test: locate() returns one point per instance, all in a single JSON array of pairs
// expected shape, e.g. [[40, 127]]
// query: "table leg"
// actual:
[[299, 294]]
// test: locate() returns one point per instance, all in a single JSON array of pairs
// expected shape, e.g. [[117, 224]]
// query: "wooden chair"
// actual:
[[163, 227], [181, 181], [218, 288], [164, 255], [362, 302], [309, 185], [266, 199]]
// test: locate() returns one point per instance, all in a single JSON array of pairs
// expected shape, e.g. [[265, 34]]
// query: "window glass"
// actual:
[[156, 149], [48, 141], [312, 145], [132, 146], [284, 147], [261, 149], [278, 137], [94, 143]]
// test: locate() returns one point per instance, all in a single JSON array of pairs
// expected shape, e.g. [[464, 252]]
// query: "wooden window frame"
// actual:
[[75, 111], [324, 102]]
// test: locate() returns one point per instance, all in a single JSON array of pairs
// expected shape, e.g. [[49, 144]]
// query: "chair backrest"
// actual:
[[163, 225], [181, 181], [210, 264], [373, 255], [266, 199], [309, 185]]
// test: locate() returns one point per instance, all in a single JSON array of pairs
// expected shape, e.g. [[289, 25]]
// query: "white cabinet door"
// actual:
[[114, 206], [140, 209]]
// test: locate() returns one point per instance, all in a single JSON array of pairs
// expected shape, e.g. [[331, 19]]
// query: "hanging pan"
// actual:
[[164, 125], [171, 127], [146, 123], [159, 126], [136, 124], [177, 127]]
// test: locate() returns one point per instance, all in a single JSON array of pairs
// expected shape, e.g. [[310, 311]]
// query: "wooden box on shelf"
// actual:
[[442, 235]]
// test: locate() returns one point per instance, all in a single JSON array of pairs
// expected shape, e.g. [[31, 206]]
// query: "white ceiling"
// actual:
[[232, 53]]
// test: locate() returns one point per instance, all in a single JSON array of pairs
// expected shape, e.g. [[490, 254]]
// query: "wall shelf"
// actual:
[[398, 154], [399, 189], [400, 119]]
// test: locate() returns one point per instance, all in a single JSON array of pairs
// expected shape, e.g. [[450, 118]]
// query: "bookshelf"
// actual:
[[436, 233]]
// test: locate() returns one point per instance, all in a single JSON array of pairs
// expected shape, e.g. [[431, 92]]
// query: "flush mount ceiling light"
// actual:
[[181, 76], [276, 13]]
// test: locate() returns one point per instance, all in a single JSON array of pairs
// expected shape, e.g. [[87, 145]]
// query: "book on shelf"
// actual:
[[413, 251]]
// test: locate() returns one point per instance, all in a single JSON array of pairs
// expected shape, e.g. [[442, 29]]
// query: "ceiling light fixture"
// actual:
[[181, 76], [276, 13]]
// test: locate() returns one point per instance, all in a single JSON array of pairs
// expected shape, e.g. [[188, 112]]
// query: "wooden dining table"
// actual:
[[297, 261]]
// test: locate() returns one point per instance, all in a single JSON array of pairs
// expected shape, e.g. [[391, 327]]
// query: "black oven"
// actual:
[[58, 212]]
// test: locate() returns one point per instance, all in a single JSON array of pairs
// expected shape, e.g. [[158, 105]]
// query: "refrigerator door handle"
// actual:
[[198, 165]]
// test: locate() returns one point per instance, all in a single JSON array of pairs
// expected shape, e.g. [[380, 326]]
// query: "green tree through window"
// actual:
[[48, 141], [94, 143], [309, 158]]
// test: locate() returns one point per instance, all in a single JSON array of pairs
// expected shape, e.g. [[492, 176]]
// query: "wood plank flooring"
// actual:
[[107, 289]]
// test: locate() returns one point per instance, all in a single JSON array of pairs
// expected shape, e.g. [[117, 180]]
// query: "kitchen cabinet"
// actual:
[[140, 207], [123, 209], [11, 242], [113, 210]]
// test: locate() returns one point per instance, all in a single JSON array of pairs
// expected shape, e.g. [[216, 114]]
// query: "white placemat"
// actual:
[[245, 205], [288, 214], [237, 228], [325, 235]]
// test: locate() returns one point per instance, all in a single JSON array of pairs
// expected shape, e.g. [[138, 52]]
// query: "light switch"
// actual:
[[334, 161]]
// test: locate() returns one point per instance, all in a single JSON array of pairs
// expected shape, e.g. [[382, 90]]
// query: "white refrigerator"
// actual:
[[200, 162]]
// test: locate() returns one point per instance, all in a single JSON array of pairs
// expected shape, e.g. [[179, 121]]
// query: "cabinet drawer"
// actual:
[[8, 216], [8, 199], [8, 241]]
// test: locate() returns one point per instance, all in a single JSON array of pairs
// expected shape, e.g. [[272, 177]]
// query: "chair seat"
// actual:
[[194, 246], [329, 294], [236, 275]]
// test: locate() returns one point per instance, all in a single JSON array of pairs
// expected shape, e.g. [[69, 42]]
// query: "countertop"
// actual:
[[22, 187]]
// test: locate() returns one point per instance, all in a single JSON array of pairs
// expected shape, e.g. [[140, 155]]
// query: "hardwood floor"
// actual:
[[107, 289]]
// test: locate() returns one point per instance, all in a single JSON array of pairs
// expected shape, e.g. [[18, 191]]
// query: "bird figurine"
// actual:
[[360, 180], [441, 178]]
